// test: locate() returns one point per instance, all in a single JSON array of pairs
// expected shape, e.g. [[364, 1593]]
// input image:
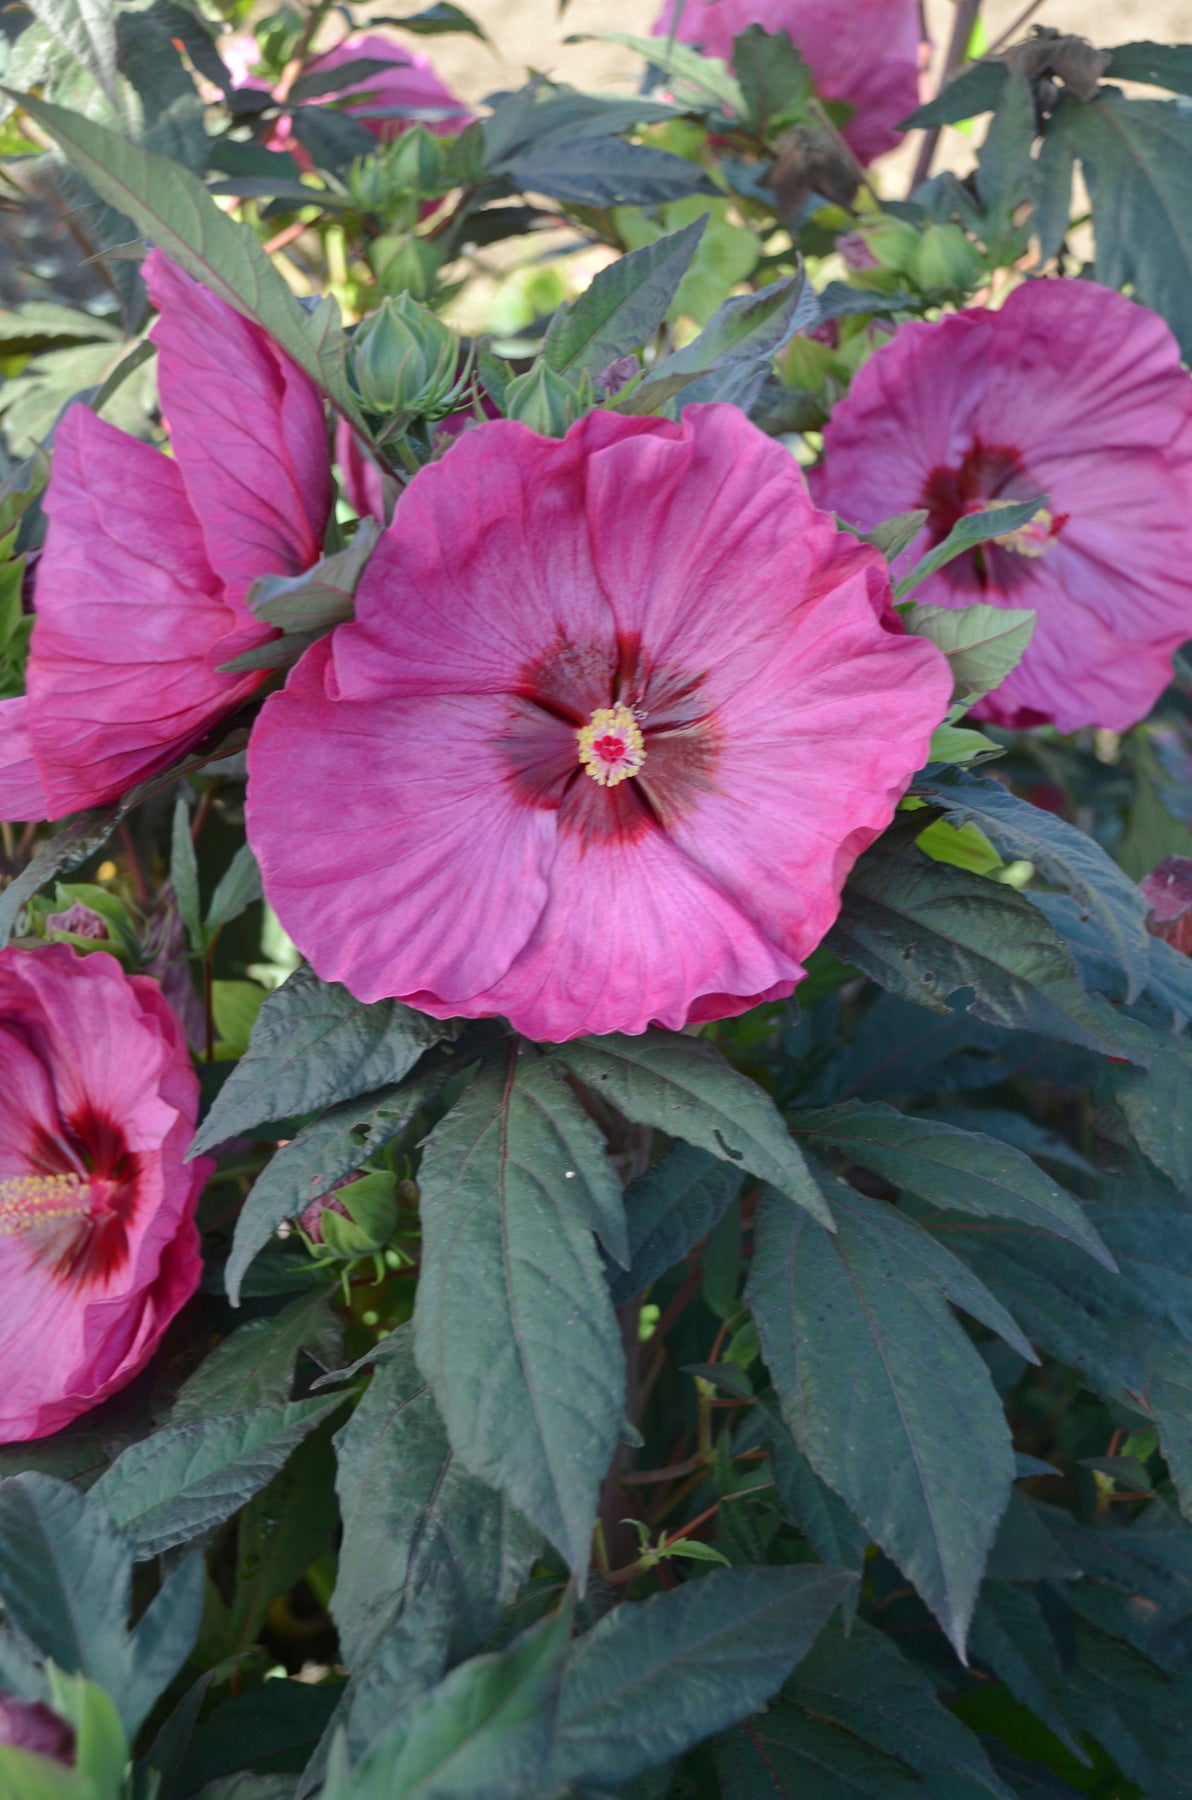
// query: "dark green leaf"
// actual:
[[967, 534], [1158, 65], [786, 1754], [66, 1580], [435, 20], [410, 1509], [652, 1679], [776, 83], [1063, 855], [685, 1088], [1005, 166], [268, 1728], [962, 1171], [1100, 1324], [187, 1478], [624, 305], [1137, 162], [732, 355], [171, 207], [65, 1576], [163, 1639], [690, 75], [255, 1365], [324, 1152], [865, 1686], [605, 172], [87, 29], [819, 1512], [883, 1391], [669, 1208], [483, 1734], [513, 1326], [237, 889], [1011, 1636], [977, 90], [314, 1045], [953, 941], [358, 73], [184, 875]]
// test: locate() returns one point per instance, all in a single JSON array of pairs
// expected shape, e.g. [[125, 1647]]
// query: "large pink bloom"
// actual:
[[615, 718], [141, 588], [1072, 392], [98, 1246], [864, 53]]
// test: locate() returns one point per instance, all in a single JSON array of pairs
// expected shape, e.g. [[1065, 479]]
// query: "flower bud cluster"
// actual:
[[405, 361]]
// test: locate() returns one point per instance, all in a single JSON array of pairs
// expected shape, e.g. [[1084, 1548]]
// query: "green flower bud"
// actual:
[[416, 161], [543, 401], [944, 258], [373, 187], [893, 242], [404, 359], [404, 264], [371, 1207]]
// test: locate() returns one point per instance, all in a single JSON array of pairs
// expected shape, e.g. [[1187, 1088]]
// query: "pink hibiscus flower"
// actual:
[[98, 1246], [1071, 392], [141, 587], [615, 717], [864, 53]]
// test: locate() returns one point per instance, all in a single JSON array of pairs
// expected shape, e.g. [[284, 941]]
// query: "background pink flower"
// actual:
[[140, 590], [615, 717], [98, 1247], [398, 98], [405, 93], [1072, 392], [865, 53]]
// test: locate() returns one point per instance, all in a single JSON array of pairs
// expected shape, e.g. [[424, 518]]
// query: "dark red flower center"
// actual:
[[614, 744], [75, 1200], [987, 477]]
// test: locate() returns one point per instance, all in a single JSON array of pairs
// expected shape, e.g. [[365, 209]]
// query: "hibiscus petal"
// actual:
[[487, 563], [635, 934], [402, 858], [22, 796], [128, 616], [247, 429], [814, 757]]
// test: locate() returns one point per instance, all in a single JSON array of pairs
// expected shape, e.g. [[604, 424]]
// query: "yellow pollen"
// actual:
[[28, 1201], [611, 746], [1035, 538]]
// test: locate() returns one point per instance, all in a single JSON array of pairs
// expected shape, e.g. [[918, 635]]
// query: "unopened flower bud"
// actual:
[[404, 359], [893, 244], [615, 375], [78, 921], [1167, 890], [375, 189], [356, 1219], [404, 264], [415, 161], [944, 258], [28, 1725], [543, 400]]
